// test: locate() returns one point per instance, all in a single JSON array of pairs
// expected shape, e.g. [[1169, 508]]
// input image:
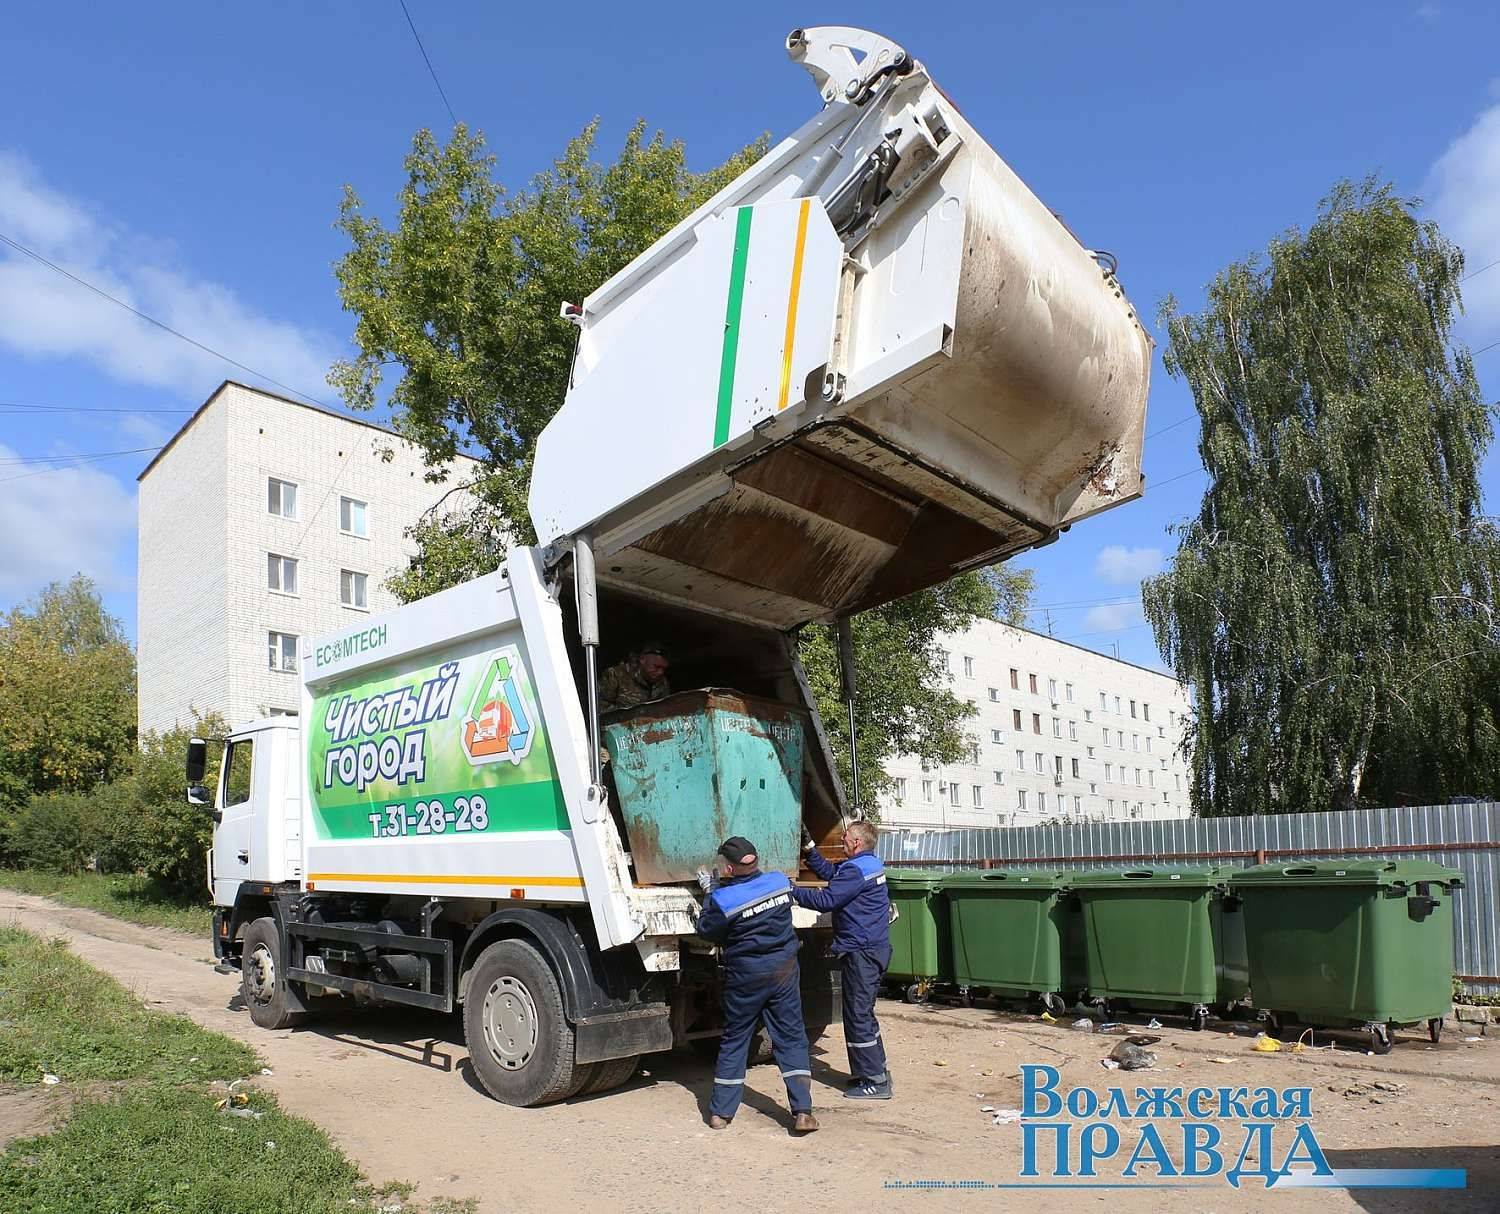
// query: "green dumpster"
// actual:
[[921, 948], [1362, 944], [1164, 939], [1010, 930]]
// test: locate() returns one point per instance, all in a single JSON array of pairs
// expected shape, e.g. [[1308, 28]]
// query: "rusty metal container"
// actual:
[[697, 767]]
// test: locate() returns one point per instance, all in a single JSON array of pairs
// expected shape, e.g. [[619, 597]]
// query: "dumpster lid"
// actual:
[[1349, 872], [908, 880], [1010, 878], [1199, 877]]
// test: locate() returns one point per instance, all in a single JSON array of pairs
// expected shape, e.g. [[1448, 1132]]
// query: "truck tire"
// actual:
[[263, 984], [610, 1074], [520, 1043]]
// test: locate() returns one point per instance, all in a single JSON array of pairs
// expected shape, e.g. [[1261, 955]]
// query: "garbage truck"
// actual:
[[873, 361]]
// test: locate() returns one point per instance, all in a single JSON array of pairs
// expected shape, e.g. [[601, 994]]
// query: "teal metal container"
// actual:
[[697, 767]]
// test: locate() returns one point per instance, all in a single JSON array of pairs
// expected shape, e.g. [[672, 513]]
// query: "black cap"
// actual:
[[655, 647], [738, 850]]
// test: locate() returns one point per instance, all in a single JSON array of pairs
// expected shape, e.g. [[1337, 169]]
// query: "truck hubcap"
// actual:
[[510, 1023], [260, 974]]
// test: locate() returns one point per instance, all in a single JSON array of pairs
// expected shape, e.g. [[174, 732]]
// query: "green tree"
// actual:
[[1331, 604], [462, 295], [175, 836], [67, 694]]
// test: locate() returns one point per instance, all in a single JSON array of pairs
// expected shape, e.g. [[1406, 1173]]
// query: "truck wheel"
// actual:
[[520, 1043], [262, 978], [609, 1075]]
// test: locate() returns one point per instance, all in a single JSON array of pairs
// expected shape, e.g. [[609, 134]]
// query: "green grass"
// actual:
[[138, 899], [60, 1015], [158, 1141]]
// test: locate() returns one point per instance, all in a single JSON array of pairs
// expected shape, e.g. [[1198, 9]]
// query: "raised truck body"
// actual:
[[871, 362]]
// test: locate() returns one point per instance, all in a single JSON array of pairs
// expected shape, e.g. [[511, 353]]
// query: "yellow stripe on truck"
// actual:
[[791, 306], [445, 879]]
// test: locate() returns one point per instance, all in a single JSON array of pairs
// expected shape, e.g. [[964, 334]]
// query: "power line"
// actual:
[[1173, 426], [1481, 270], [78, 461], [63, 459], [432, 71], [12, 406], [1482, 349], [103, 294], [1150, 484]]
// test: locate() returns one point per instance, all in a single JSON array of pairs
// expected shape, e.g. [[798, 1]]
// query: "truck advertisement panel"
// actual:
[[455, 748]]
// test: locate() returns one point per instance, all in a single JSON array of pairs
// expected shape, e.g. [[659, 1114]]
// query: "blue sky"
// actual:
[[190, 158]]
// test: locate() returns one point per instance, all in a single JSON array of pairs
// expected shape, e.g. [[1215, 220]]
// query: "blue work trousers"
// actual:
[[774, 996], [863, 970]]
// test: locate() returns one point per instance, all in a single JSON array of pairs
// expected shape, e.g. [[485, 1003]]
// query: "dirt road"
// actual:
[[394, 1089]]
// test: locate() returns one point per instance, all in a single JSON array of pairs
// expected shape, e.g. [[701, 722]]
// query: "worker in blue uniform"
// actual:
[[748, 913], [861, 906]]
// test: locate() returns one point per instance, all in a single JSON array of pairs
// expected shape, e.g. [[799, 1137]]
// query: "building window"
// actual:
[[1088, 714], [976, 793], [1020, 760], [281, 648], [999, 777], [1056, 727], [1052, 690], [1031, 679], [1075, 767], [1117, 706], [1111, 805], [1072, 731], [352, 588], [1041, 802], [1105, 733], [994, 693], [1178, 777], [946, 659], [281, 573], [1039, 762], [996, 736], [973, 752], [1120, 739], [968, 667], [1109, 772], [1057, 764], [1145, 710], [1078, 805], [1103, 703], [1015, 718], [927, 791], [1089, 750], [1150, 777], [281, 498], [1148, 743], [1068, 691], [953, 794], [1132, 709], [354, 517], [1015, 679], [1135, 811], [1137, 777], [1020, 798], [900, 788], [1161, 731], [1036, 722], [1093, 790], [1135, 742]]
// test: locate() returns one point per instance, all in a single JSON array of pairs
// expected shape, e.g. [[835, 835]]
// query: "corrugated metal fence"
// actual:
[[1461, 836]]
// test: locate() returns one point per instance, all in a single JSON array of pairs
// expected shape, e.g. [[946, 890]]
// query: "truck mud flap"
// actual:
[[608, 1035]]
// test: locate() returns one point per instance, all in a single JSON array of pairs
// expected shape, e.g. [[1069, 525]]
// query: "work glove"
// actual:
[[705, 880], [808, 842]]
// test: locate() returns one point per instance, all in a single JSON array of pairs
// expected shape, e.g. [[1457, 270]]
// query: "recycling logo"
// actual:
[[498, 726]]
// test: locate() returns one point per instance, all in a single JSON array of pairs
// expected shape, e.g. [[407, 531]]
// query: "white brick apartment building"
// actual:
[[263, 521], [1061, 731]]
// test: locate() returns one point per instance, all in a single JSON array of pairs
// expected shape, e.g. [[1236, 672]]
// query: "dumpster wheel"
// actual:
[[1054, 1003], [1198, 1019], [1380, 1038], [1435, 1029], [917, 992]]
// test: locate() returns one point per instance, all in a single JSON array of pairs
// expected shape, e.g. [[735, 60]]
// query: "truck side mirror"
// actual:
[[197, 764]]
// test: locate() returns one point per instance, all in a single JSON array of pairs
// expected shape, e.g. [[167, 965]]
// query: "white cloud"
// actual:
[[54, 524], [1113, 617], [1121, 566], [44, 315], [1463, 188]]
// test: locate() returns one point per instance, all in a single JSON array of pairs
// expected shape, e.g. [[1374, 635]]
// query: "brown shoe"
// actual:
[[805, 1123], [719, 1123]]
